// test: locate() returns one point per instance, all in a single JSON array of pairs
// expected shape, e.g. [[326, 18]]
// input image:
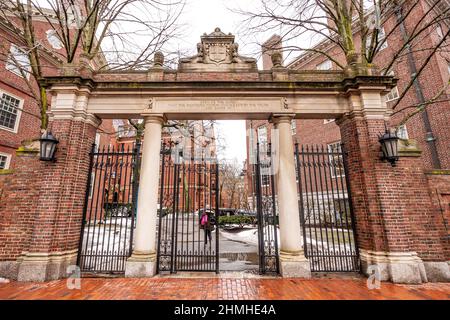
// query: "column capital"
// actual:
[[154, 118], [282, 118]]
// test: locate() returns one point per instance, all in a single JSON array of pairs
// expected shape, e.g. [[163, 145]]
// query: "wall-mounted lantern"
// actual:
[[389, 146], [48, 147]]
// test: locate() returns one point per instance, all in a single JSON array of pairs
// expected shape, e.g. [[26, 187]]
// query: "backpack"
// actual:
[[204, 220]]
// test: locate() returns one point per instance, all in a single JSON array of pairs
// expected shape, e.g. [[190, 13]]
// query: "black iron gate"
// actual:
[[109, 210], [267, 213], [189, 189], [325, 208]]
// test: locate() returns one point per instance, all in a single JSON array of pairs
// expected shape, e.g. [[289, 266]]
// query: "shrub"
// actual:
[[240, 220]]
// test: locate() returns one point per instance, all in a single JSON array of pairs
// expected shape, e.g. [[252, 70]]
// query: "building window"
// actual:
[[91, 186], [393, 94], [5, 160], [97, 142], [9, 112], [294, 126], [326, 65], [18, 62], [262, 135], [381, 40], [439, 31], [402, 132], [336, 160], [53, 39]]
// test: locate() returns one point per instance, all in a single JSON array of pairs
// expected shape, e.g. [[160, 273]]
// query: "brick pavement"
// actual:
[[222, 289]]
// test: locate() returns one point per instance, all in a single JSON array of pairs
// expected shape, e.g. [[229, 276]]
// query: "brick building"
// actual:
[[19, 110], [428, 128]]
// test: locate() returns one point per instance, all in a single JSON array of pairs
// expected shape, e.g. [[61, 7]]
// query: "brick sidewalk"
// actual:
[[220, 288]]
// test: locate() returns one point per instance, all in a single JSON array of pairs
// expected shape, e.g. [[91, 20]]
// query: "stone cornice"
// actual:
[[307, 82]]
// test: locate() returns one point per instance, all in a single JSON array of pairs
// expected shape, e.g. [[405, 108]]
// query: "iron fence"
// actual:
[[325, 208]]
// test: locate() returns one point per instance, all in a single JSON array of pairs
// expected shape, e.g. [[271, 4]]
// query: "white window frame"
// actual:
[[53, 39], [331, 158], [325, 65], [381, 37], [439, 32], [97, 141], [393, 94], [404, 129], [258, 135], [92, 185], [8, 160], [11, 65], [19, 112]]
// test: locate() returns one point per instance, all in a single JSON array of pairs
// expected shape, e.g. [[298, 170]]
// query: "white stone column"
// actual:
[[292, 258], [142, 262]]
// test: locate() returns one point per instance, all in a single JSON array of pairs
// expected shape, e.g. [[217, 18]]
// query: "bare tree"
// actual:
[[231, 185], [96, 34], [350, 33]]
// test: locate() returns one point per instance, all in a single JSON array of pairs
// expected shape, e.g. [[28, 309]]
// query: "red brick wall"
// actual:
[[43, 204], [439, 187], [18, 194], [392, 205]]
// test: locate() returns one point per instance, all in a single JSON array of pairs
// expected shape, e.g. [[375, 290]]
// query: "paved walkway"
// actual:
[[221, 288]]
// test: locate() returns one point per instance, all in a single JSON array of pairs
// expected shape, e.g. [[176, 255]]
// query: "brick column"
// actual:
[[61, 185], [390, 203]]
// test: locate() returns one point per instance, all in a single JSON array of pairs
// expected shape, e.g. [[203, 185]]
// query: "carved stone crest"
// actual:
[[217, 52]]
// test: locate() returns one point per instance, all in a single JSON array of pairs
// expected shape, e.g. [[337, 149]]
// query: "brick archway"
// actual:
[[232, 88]]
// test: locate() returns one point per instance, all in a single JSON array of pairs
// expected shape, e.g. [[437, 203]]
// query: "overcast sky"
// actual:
[[202, 16]]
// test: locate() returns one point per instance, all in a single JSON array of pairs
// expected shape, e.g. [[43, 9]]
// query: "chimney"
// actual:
[[274, 43]]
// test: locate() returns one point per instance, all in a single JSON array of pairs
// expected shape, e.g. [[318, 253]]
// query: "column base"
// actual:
[[437, 271], [397, 267], [294, 265], [9, 269], [141, 265], [40, 267]]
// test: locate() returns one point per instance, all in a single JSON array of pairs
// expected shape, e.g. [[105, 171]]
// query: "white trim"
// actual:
[[19, 112], [8, 160]]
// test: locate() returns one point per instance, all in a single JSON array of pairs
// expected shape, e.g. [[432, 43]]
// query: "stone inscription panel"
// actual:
[[275, 105]]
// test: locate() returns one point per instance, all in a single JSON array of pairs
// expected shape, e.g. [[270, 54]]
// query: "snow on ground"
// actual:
[[250, 235]]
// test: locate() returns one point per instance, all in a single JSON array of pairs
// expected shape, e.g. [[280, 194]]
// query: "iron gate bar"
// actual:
[[187, 189], [323, 186], [86, 200], [266, 214], [104, 248]]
